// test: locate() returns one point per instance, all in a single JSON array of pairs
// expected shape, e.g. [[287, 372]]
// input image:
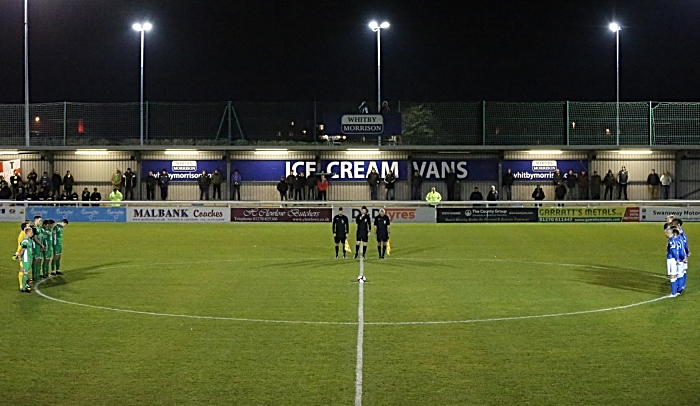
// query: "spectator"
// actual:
[[151, 183], [666, 181], [16, 183], [363, 108], [557, 177], [117, 179], [20, 196], [622, 179], [56, 183], [571, 185], [5, 192], [416, 183], [51, 196], [299, 185], [31, 188], [560, 191], [385, 107], [450, 180], [68, 182], [283, 188], [204, 183], [45, 181], [115, 197], [458, 190], [216, 181], [507, 181], [32, 176], [96, 196], [311, 186], [653, 182], [322, 188], [43, 194], [129, 184], [538, 193], [373, 180], [596, 182], [609, 183], [433, 197], [390, 181], [492, 196], [74, 196], [3, 182], [291, 181], [65, 196], [164, 182], [85, 196], [476, 195], [583, 186], [236, 185], [30, 195]]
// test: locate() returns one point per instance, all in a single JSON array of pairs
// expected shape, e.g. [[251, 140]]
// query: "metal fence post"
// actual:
[[228, 108], [568, 132], [315, 122], [651, 124], [65, 124], [483, 122], [146, 116]]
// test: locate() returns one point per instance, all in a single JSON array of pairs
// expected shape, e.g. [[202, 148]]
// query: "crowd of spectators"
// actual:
[[35, 188]]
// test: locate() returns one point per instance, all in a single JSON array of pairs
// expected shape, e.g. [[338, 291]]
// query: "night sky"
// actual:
[[207, 50]]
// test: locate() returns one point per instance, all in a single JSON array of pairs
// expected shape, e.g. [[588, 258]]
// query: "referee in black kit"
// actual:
[[341, 228], [364, 226], [381, 228]]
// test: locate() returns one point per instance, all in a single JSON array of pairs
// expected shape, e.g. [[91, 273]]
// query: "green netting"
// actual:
[[525, 123], [676, 124], [12, 124], [186, 123], [441, 123], [274, 123], [595, 123]]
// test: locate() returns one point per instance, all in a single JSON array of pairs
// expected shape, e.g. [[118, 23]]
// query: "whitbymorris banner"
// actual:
[[659, 213], [396, 214], [178, 214]]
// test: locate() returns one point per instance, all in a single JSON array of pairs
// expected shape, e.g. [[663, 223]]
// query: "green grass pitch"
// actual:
[[59, 353]]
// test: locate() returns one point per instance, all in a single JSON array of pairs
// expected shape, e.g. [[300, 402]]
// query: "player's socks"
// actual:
[[25, 280], [336, 251], [357, 249], [20, 276], [379, 250], [364, 250], [45, 268], [58, 264], [383, 251], [674, 286]]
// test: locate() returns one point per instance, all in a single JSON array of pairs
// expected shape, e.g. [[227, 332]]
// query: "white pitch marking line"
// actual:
[[360, 336]]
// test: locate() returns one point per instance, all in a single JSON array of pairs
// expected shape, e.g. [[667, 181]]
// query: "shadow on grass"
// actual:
[[76, 275], [624, 279]]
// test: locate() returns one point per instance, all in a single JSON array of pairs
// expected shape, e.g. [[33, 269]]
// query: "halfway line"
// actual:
[[360, 336]]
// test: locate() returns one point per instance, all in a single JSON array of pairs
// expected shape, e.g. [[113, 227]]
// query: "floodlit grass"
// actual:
[[59, 353]]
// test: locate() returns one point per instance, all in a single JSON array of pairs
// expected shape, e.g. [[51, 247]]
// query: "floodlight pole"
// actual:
[[617, 57], [143, 36], [379, 71], [26, 73]]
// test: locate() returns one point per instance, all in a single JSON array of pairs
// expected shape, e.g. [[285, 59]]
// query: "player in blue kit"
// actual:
[[673, 258], [682, 271]]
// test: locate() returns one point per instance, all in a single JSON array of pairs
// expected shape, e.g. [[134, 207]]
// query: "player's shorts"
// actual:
[[48, 254], [671, 267], [57, 249], [684, 265], [340, 238], [382, 237], [362, 237], [27, 266]]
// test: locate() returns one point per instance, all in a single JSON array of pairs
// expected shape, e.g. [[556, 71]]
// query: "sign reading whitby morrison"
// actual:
[[79, 214], [542, 170], [281, 215], [362, 124], [182, 170]]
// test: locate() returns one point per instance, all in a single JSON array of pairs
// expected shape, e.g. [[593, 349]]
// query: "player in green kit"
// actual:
[[38, 249], [47, 235], [26, 260], [58, 247]]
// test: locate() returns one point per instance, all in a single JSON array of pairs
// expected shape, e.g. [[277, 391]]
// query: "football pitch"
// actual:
[[256, 314]]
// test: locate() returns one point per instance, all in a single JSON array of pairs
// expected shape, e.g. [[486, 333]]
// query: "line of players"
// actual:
[[677, 254], [40, 245], [341, 229]]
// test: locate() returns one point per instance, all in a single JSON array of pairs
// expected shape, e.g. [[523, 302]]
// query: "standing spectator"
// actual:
[[32, 176], [3, 182], [236, 185], [164, 182], [85, 195], [596, 182], [557, 177], [283, 188], [204, 182], [95, 196], [666, 181], [290, 181], [311, 186], [129, 184], [117, 179], [390, 181], [385, 107], [450, 180], [16, 183], [507, 181], [583, 186], [363, 108], [492, 196], [476, 195], [151, 183], [538, 193], [609, 183], [622, 179], [373, 180], [116, 197], [216, 181], [416, 183], [560, 191], [68, 182], [653, 182], [299, 185], [571, 181], [458, 190], [56, 183], [45, 181], [322, 188], [433, 197], [5, 192]]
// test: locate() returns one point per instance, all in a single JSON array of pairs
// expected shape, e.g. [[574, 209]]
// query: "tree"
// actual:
[[416, 123]]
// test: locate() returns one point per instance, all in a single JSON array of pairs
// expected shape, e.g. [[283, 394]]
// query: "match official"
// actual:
[[364, 226], [341, 228], [381, 229]]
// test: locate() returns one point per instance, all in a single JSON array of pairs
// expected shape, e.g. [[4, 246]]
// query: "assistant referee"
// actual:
[[382, 224], [341, 228]]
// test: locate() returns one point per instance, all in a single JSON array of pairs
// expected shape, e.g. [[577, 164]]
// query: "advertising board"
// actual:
[[182, 170], [470, 170], [150, 214], [542, 171], [659, 213], [79, 214], [588, 214], [486, 215], [348, 170], [10, 212], [281, 215], [396, 214]]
